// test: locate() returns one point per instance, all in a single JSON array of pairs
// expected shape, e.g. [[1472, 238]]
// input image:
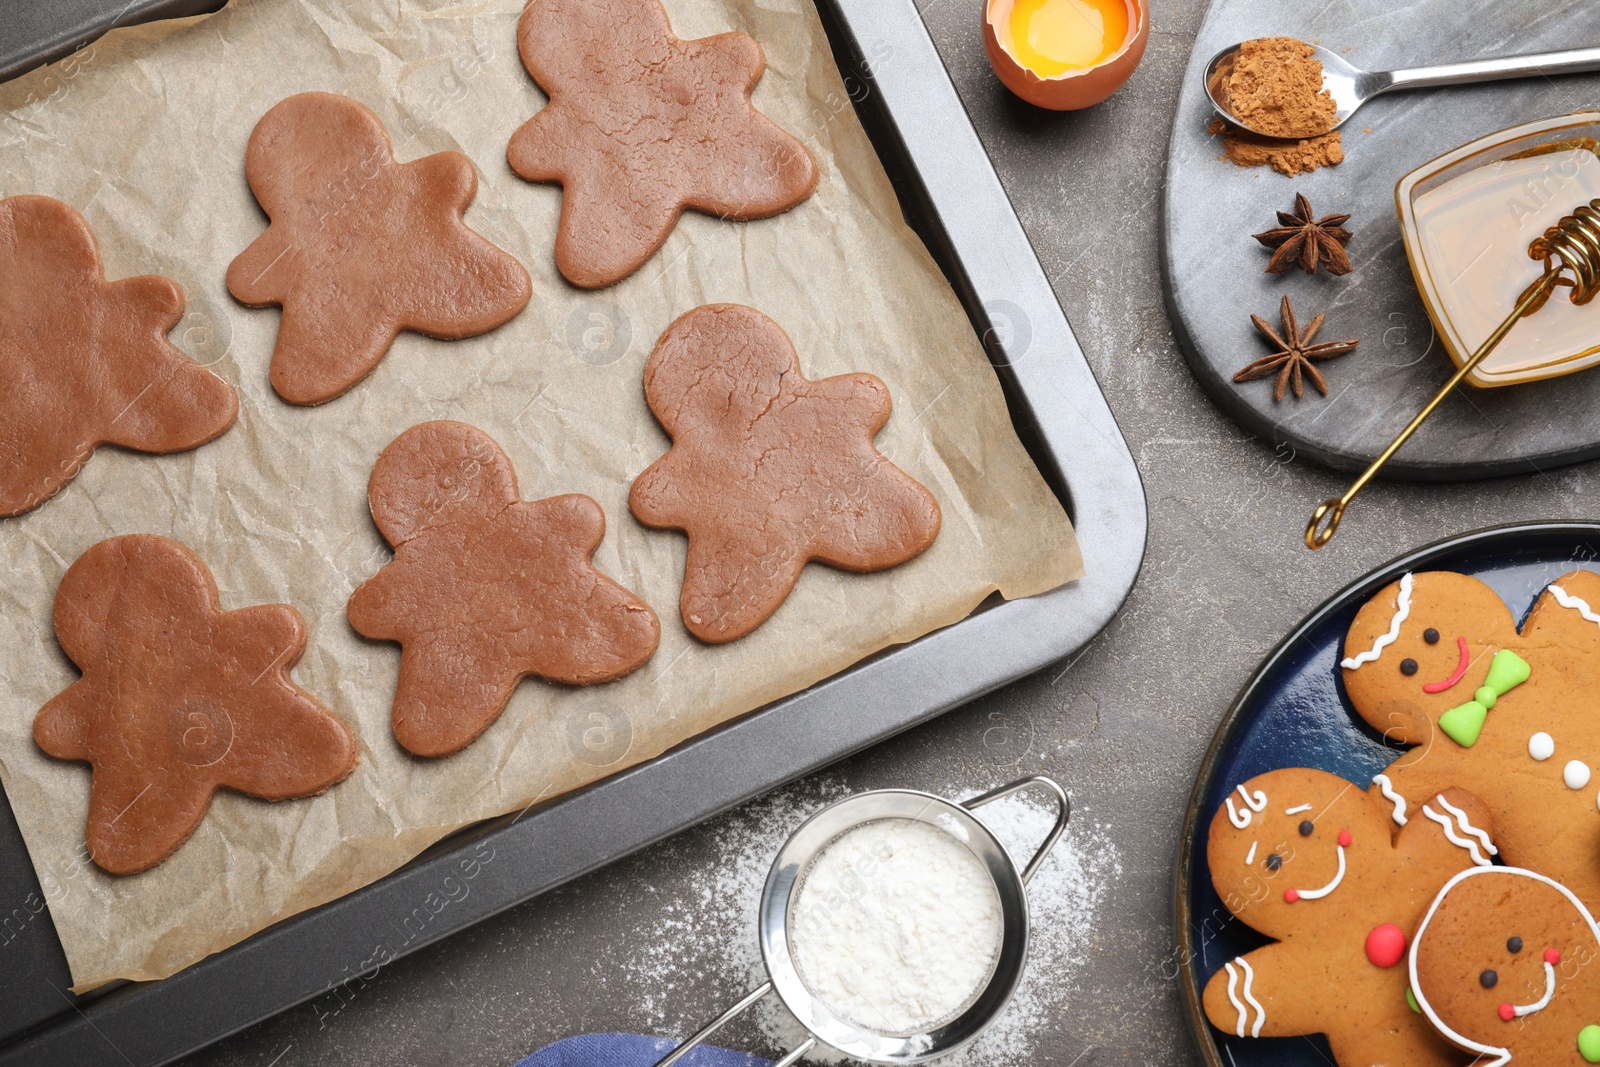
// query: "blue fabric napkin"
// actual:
[[632, 1050]]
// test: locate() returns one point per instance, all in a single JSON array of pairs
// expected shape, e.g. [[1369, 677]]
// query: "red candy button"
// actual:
[[1291, 895], [1552, 956], [1386, 945], [1507, 1012], [1344, 839]]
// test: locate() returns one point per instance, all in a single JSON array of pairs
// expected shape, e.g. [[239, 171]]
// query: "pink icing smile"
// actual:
[[1460, 671]]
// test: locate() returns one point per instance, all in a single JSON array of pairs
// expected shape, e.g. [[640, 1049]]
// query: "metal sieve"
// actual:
[[784, 880]]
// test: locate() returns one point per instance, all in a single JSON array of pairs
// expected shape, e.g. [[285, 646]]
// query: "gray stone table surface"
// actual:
[[657, 941]]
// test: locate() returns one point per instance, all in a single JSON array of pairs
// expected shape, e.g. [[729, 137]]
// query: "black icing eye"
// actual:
[[1408, 667], [1306, 827], [1488, 979], [1274, 861], [1514, 945], [1431, 636]]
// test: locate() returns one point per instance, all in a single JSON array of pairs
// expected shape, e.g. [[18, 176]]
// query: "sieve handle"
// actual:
[[726, 1017], [1063, 806]]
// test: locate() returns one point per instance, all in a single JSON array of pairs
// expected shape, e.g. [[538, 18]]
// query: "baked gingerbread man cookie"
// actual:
[[361, 247], [1311, 861], [768, 469], [86, 362], [486, 588], [178, 699], [641, 125], [1506, 964], [1436, 660]]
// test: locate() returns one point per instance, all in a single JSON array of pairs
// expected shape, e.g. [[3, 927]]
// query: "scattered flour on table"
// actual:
[[703, 952], [896, 926]]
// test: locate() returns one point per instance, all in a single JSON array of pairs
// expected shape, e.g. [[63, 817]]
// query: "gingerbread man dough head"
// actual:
[[768, 469], [641, 125], [486, 588], [1312, 861], [361, 246], [84, 361], [1506, 964], [178, 698]]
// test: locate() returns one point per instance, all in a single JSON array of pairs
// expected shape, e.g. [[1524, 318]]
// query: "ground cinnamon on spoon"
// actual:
[[1275, 84]]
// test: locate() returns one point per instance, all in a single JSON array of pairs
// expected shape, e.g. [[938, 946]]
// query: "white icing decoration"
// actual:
[[1576, 774], [1386, 787], [1503, 1055], [1251, 858], [1465, 822], [1250, 998], [1241, 819], [1567, 600], [1402, 611], [1318, 894], [1549, 993], [1541, 746], [1297, 811], [1233, 998], [1454, 838]]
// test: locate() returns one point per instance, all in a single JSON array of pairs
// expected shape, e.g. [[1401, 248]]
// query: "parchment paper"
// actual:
[[145, 134]]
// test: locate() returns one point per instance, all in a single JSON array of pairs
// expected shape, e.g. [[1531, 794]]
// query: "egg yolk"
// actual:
[[1051, 37]]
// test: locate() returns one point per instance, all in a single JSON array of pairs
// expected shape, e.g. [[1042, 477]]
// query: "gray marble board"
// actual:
[[1213, 269]]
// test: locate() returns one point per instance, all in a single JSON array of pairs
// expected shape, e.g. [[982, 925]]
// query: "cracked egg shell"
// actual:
[[1077, 88]]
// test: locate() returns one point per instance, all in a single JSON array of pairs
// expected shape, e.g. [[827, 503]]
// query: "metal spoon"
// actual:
[[1351, 87]]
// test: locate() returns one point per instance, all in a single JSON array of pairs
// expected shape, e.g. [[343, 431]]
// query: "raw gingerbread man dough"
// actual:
[[178, 698], [768, 469], [486, 588], [641, 125], [361, 247], [84, 361], [1311, 861], [1507, 965], [1416, 659]]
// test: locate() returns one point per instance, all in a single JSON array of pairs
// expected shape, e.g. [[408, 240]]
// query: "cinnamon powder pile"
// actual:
[[1275, 84]]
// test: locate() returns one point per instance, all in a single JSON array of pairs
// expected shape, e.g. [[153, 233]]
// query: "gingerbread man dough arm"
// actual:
[[536, 152], [1451, 828], [62, 726], [258, 276], [1243, 997], [657, 497], [371, 609]]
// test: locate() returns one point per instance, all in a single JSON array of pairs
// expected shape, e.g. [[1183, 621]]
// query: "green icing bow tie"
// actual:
[[1506, 671]]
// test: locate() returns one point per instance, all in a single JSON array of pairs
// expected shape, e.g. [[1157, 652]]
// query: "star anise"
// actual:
[[1309, 240], [1295, 354]]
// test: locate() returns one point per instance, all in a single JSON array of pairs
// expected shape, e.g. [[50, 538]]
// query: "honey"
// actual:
[[1467, 220], [1052, 37]]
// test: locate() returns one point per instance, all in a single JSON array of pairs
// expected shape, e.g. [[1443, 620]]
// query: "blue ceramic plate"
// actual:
[[1294, 713]]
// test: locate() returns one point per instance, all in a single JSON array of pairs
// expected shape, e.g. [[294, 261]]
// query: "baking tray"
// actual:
[[1293, 712], [1212, 270], [951, 196]]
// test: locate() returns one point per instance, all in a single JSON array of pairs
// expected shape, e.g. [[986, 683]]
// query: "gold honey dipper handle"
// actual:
[[1572, 244]]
